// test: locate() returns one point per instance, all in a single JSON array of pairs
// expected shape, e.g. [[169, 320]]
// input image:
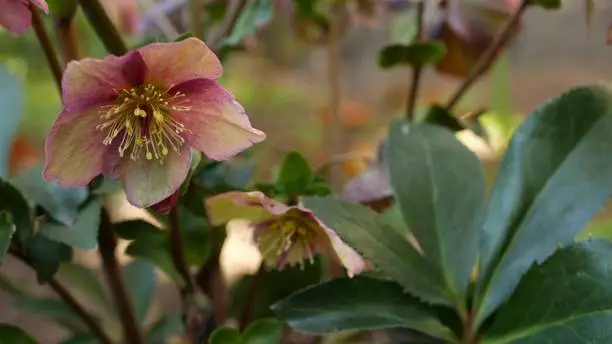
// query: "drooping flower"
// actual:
[[16, 15], [285, 235], [137, 117]]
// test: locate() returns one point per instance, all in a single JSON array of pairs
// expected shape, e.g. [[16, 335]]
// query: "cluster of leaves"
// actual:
[[502, 270]]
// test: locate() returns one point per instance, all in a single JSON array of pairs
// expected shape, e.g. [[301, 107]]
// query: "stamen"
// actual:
[[143, 117]]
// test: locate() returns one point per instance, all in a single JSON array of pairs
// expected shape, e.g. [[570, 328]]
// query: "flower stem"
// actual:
[[210, 279], [417, 70], [47, 47], [101, 23], [334, 65], [107, 243], [247, 309], [71, 301], [178, 251], [66, 37], [487, 57]]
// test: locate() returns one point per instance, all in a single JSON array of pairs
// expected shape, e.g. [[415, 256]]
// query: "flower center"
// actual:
[[141, 119]]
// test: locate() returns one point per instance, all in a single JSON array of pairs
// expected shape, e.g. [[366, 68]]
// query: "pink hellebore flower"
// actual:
[[285, 235], [16, 15], [137, 117]]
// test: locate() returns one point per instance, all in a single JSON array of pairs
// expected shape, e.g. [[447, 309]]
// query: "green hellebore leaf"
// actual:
[[64, 9], [360, 303], [439, 186], [567, 299], [377, 241], [141, 283], [61, 203], [196, 237], [51, 308], [83, 233], [11, 103], [13, 202], [414, 54], [46, 256], [82, 338], [85, 281], [6, 235], [295, 175], [554, 177], [440, 116], [256, 14], [224, 335], [263, 331], [547, 4], [10, 334], [164, 328]]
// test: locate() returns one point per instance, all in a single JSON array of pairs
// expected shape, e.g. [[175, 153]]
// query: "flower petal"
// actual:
[[74, 150], [147, 182], [217, 123], [241, 205], [15, 16], [352, 261], [42, 4], [172, 63], [88, 82]]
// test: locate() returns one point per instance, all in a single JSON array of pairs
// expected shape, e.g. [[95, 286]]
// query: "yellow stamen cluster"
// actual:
[[141, 119], [289, 240]]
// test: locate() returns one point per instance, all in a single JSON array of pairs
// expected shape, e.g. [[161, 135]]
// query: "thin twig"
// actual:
[[107, 243], [104, 27], [72, 302], [228, 24], [178, 251], [487, 57], [247, 308], [334, 65], [417, 70], [47, 46]]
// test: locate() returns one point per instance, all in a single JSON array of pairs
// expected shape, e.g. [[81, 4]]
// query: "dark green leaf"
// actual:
[[165, 327], [370, 235], [6, 235], [102, 185], [360, 303], [439, 186], [554, 177], [10, 334], [295, 175], [12, 200], [224, 335], [547, 4], [263, 331], [439, 116], [61, 203], [46, 256], [149, 243], [52, 308], [256, 14], [85, 281], [567, 299], [83, 233], [216, 10], [196, 237], [414, 54], [141, 283], [275, 286], [11, 103]]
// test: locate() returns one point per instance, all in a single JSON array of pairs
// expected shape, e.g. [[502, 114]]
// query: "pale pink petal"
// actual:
[[74, 150], [147, 182], [350, 259], [254, 206], [172, 63], [218, 125], [15, 16], [90, 81], [42, 4]]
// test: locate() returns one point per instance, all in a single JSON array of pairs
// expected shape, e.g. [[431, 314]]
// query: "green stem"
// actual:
[[417, 70], [101, 23], [249, 302], [178, 251], [334, 65], [487, 57], [66, 37], [47, 47], [228, 24], [107, 243]]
